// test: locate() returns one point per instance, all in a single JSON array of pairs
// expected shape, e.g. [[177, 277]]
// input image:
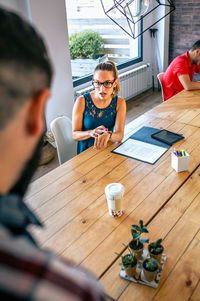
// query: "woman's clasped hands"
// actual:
[[101, 136]]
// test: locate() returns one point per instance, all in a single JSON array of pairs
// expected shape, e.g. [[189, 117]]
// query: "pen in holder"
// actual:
[[180, 160]]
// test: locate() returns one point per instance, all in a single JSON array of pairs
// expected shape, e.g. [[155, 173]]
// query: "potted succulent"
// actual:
[[156, 249], [150, 267], [129, 262], [137, 244]]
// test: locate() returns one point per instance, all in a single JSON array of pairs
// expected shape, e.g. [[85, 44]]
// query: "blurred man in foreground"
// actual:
[[26, 271]]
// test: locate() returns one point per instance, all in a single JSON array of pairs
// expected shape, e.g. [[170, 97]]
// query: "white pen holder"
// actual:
[[180, 163]]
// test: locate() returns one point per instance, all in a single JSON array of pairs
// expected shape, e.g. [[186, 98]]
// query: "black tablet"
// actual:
[[167, 137]]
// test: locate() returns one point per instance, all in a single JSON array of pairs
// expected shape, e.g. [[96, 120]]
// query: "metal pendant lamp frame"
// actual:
[[119, 5]]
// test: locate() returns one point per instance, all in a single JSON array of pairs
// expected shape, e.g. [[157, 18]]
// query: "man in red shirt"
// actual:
[[179, 74]]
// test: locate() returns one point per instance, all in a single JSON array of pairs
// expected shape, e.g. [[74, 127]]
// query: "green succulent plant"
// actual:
[[128, 260], [156, 247], [151, 264], [136, 232]]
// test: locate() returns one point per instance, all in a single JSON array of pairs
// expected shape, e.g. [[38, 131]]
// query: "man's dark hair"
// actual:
[[25, 68], [195, 46]]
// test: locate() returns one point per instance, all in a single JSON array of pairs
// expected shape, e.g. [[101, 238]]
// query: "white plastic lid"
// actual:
[[114, 190]]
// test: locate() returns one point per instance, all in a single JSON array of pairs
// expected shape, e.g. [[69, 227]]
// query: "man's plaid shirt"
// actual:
[[29, 273]]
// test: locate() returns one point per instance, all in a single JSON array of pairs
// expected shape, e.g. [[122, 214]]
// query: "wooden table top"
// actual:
[[70, 200]]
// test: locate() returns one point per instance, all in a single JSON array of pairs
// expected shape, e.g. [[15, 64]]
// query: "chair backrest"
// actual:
[[61, 128], [160, 79]]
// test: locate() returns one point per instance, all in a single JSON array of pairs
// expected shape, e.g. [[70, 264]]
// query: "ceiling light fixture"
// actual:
[[137, 12]]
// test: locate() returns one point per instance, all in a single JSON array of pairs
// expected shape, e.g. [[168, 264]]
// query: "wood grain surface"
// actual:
[[70, 201]]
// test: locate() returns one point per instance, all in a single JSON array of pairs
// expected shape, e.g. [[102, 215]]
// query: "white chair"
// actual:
[[61, 128], [160, 79]]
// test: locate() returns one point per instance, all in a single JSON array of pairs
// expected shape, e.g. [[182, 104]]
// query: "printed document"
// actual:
[[139, 150]]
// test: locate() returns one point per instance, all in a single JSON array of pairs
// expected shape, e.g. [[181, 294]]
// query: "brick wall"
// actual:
[[184, 26]]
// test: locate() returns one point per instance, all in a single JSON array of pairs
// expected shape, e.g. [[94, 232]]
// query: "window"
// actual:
[[84, 4], [110, 42]]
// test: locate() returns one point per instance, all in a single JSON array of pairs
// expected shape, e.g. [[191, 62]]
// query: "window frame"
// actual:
[[88, 78]]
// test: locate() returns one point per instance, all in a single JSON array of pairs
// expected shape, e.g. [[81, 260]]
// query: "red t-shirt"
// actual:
[[179, 66]]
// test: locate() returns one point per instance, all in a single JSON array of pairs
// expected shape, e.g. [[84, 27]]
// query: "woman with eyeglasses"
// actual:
[[99, 116]]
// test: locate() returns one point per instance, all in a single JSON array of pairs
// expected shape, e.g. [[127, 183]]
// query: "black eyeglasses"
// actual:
[[107, 84]]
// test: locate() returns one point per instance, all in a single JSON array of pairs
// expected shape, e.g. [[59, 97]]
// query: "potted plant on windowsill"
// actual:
[[137, 244], [129, 262], [156, 249], [150, 267]]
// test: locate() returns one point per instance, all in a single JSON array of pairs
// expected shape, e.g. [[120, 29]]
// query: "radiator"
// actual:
[[132, 83]]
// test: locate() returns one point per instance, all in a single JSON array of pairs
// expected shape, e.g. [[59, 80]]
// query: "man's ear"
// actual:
[[35, 120], [197, 52]]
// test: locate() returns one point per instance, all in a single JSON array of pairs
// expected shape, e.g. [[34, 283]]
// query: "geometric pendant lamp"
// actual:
[[130, 14]]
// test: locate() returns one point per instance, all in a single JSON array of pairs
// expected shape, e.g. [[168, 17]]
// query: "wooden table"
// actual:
[[71, 202]]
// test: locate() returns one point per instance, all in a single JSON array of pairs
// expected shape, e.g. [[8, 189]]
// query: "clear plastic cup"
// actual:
[[114, 194]]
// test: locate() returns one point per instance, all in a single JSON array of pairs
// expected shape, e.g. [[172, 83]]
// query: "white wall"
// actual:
[[49, 16], [155, 50], [163, 41], [19, 6]]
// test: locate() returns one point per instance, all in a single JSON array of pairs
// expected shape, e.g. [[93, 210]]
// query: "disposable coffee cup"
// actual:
[[114, 194]]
